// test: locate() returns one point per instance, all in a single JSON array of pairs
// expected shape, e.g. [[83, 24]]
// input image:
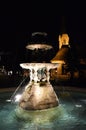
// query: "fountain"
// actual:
[[39, 93], [37, 106]]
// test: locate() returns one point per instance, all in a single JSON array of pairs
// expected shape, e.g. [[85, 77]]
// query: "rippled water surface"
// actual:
[[70, 115]]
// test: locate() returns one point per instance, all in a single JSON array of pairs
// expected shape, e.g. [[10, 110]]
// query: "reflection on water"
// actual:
[[70, 115]]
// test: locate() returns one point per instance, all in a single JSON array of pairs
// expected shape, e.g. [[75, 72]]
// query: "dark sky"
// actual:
[[19, 20]]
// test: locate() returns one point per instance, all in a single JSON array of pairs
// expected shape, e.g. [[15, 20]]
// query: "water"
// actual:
[[70, 115]]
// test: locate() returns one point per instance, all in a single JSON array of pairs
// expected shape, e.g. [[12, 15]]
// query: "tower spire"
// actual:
[[63, 25], [63, 37]]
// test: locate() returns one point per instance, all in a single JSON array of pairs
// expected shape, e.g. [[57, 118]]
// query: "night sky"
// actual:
[[19, 20]]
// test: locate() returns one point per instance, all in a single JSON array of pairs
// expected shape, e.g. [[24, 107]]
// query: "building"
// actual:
[[67, 69]]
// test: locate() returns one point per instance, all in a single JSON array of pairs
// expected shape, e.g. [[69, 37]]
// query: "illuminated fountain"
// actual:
[[35, 105], [39, 93]]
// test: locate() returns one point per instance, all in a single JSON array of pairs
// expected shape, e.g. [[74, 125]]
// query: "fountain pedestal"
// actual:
[[39, 93]]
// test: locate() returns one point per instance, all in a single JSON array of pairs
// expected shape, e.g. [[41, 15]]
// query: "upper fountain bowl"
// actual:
[[39, 41], [39, 65], [39, 46]]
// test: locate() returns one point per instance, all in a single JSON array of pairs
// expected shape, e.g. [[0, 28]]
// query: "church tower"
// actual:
[[63, 40]]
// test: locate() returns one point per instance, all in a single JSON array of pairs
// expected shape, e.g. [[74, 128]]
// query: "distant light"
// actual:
[[10, 72]]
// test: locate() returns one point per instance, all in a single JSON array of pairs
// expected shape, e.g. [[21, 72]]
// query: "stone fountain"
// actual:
[[38, 106], [38, 94]]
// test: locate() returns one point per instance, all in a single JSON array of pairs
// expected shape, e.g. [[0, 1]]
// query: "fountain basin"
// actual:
[[39, 116], [70, 114]]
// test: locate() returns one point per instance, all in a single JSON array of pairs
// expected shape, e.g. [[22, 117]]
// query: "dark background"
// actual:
[[19, 20]]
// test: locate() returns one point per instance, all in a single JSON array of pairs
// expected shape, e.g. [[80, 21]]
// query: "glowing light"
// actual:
[[39, 46], [63, 40], [8, 100], [17, 98], [78, 105]]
